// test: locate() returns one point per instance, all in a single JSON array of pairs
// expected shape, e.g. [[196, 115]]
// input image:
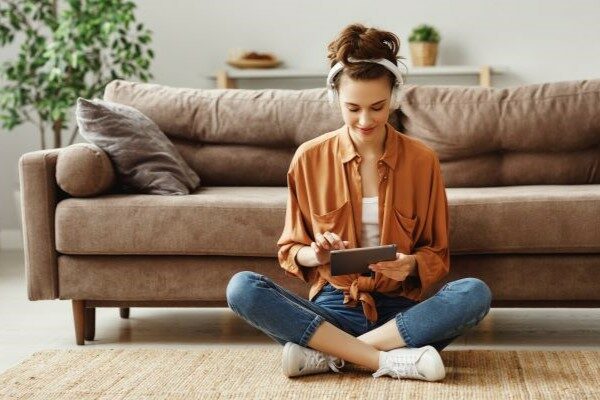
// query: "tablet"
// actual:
[[357, 260]]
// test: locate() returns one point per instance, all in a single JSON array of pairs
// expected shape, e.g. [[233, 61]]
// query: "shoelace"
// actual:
[[315, 360], [400, 366]]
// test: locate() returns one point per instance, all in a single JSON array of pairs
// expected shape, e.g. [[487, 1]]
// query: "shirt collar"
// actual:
[[347, 151]]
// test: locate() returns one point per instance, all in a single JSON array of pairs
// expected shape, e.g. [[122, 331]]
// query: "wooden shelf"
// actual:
[[226, 78]]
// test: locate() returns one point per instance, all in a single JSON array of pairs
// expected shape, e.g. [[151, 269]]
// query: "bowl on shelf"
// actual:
[[254, 60]]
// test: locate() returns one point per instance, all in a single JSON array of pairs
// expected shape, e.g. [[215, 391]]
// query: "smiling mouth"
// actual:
[[366, 130]]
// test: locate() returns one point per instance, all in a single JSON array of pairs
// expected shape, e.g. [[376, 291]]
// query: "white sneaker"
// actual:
[[422, 363], [299, 360]]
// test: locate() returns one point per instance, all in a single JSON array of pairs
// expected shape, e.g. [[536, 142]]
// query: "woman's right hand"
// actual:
[[326, 242]]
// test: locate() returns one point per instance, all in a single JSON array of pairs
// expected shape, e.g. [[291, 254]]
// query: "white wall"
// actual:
[[538, 40]]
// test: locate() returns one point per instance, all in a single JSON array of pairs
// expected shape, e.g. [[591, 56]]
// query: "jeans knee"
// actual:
[[483, 293], [239, 286], [480, 293]]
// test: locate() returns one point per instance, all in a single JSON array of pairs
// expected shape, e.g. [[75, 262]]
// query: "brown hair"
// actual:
[[358, 41]]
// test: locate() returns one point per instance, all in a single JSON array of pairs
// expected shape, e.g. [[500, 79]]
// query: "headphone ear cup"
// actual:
[[333, 98], [396, 98]]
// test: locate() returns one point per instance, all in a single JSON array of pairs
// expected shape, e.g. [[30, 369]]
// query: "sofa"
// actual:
[[521, 167]]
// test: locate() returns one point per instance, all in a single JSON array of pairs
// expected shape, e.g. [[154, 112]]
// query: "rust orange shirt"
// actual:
[[325, 194]]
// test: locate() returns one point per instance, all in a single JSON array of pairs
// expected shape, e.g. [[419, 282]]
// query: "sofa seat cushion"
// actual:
[[216, 220], [525, 219], [248, 221]]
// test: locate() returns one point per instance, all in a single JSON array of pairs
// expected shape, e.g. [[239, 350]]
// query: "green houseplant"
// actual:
[[423, 42], [68, 49]]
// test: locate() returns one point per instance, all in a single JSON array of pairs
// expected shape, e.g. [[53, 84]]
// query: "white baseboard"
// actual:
[[11, 239]]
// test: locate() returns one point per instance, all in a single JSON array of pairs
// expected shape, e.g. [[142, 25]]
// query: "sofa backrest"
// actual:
[[533, 134]]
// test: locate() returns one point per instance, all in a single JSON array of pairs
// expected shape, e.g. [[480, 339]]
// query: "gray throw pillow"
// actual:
[[145, 160]]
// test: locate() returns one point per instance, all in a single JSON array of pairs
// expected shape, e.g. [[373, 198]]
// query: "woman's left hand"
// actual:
[[403, 266]]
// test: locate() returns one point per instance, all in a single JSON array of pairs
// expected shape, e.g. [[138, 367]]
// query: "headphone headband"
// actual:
[[382, 61]]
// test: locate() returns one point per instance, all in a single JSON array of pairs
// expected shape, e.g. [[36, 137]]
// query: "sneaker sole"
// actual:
[[436, 355], [285, 361]]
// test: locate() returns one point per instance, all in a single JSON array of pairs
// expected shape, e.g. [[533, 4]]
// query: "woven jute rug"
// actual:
[[255, 372]]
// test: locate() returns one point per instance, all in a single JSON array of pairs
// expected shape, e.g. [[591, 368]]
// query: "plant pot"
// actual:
[[423, 53]]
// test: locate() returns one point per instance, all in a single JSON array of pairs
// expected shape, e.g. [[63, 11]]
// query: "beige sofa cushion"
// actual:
[[83, 170], [270, 118], [247, 221], [522, 135], [461, 122], [546, 133], [236, 221]]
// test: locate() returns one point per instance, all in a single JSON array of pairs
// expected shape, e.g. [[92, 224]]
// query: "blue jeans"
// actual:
[[286, 317]]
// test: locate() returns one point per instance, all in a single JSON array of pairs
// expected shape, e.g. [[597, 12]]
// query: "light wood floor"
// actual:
[[29, 326]]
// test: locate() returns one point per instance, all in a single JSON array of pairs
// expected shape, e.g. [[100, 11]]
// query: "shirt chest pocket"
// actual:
[[336, 221], [404, 232]]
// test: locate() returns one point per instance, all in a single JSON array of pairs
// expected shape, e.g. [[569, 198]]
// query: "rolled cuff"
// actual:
[[292, 268], [431, 270]]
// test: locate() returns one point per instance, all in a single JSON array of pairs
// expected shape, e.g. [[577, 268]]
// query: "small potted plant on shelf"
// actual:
[[423, 42]]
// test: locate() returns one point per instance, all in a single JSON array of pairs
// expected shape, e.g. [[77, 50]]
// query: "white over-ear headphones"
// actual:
[[396, 89]]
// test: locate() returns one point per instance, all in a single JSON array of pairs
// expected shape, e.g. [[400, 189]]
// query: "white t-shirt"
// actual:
[[370, 222]]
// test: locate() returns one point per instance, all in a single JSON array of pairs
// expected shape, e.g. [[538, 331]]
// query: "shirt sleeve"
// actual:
[[432, 247], [295, 235]]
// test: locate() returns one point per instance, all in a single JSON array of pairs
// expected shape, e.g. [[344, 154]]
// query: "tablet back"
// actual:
[[356, 261]]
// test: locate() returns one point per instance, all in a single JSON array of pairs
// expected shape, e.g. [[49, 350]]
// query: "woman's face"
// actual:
[[365, 104]]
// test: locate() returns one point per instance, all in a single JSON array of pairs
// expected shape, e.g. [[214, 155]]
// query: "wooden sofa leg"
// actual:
[[90, 323], [124, 311], [79, 318]]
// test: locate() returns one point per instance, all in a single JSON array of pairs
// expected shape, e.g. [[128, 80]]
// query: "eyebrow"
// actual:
[[380, 101]]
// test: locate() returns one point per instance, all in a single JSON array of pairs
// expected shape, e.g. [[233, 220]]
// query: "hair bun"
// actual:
[[361, 42], [358, 41]]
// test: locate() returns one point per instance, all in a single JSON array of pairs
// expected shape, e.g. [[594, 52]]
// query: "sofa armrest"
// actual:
[[39, 196]]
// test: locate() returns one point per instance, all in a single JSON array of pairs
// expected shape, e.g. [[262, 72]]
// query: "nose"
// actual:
[[365, 120]]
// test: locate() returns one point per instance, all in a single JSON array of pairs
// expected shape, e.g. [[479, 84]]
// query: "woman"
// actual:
[[362, 185]]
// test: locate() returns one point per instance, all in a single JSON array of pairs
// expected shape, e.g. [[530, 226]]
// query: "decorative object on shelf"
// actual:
[[251, 59], [423, 42]]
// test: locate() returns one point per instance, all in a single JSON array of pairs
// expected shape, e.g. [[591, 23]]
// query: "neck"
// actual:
[[371, 146]]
